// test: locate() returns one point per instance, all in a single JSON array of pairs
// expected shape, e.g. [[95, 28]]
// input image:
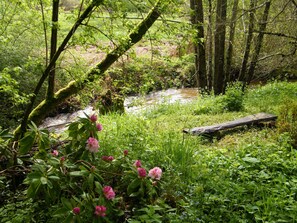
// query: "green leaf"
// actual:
[[54, 177], [26, 143], [78, 173], [133, 186], [91, 181], [251, 159], [60, 212], [66, 203], [43, 180]]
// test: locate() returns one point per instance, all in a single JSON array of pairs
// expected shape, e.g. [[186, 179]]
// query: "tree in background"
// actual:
[[197, 20], [219, 50], [258, 44]]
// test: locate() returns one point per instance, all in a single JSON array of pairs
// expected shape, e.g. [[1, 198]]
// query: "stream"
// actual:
[[132, 104]]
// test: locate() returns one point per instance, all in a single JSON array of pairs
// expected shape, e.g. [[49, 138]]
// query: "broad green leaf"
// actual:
[[133, 186], [78, 173], [27, 142]]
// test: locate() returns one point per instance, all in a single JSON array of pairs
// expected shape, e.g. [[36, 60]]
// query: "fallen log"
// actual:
[[248, 120]]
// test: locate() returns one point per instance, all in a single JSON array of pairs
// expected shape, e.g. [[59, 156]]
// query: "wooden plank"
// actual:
[[248, 120]]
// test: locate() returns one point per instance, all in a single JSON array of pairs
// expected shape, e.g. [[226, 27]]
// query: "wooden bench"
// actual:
[[255, 119]]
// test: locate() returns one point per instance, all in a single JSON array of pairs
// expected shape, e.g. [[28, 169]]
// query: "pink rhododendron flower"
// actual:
[[155, 173], [76, 210], [92, 145], [108, 192], [55, 153], [107, 158], [99, 127], [137, 163], [93, 118], [141, 172], [100, 211], [126, 152]]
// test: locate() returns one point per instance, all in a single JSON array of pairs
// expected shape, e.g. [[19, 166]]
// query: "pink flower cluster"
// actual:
[[55, 153], [100, 211], [155, 173], [108, 192], [92, 145], [107, 158], [93, 119]]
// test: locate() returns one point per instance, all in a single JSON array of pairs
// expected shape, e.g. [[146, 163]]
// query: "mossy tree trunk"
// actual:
[[39, 113]]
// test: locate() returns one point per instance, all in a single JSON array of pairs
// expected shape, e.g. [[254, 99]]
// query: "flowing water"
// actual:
[[133, 104]]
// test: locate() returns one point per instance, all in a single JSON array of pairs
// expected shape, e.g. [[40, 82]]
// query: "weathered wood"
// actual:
[[248, 120]]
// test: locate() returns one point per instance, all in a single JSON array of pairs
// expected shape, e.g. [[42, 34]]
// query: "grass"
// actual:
[[247, 176]]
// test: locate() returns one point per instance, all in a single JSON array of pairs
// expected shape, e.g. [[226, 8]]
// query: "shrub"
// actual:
[[81, 182], [233, 98]]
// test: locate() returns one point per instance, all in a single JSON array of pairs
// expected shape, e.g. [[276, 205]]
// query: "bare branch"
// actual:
[[276, 34]]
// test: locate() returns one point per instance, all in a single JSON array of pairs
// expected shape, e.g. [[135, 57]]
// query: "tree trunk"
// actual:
[[259, 42], [248, 42], [200, 62], [75, 86], [231, 42], [54, 40], [210, 46], [220, 35]]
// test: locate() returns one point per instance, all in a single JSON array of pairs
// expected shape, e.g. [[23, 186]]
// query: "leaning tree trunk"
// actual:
[[220, 35], [199, 46], [55, 57], [231, 42], [248, 42], [259, 42], [75, 86]]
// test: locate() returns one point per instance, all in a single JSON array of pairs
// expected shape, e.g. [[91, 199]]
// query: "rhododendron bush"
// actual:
[[83, 182]]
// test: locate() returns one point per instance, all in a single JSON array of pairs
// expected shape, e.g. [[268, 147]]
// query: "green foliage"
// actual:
[[246, 176], [231, 101], [11, 100], [287, 120], [269, 97], [144, 75], [233, 98]]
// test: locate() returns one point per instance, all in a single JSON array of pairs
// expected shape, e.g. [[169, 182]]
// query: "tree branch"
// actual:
[[276, 34]]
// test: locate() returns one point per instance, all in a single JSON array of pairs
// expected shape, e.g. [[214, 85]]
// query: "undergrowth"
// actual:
[[247, 175]]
